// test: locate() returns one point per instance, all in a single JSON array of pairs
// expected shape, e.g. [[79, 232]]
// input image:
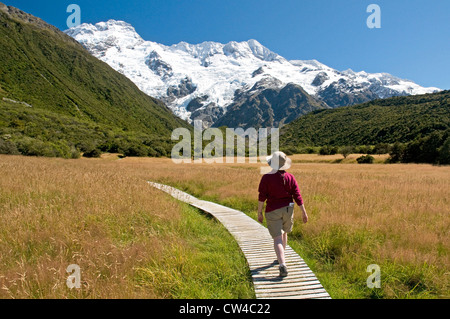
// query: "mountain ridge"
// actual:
[[215, 71]]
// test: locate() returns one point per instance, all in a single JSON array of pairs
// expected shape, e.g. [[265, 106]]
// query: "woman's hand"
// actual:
[[260, 214], [304, 214], [260, 217], [305, 217]]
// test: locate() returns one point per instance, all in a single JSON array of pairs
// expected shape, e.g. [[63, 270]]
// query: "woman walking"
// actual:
[[280, 190]]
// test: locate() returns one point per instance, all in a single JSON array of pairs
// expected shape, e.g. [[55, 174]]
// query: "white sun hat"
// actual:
[[279, 161]]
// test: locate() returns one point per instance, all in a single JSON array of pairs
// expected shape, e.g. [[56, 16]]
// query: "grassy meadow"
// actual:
[[132, 241]]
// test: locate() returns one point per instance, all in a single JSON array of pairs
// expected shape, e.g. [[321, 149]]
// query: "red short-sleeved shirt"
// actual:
[[279, 189]]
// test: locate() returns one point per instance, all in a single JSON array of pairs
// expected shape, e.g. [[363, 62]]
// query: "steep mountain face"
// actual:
[[46, 74], [268, 104], [210, 79]]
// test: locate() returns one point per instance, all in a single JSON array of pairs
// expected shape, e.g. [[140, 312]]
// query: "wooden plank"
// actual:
[[319, 295], [274, 289], [269, 284], [275, 270], [263, 260], [260, 281], [274, 277], [297, 277], [257, 246], [275, 274]]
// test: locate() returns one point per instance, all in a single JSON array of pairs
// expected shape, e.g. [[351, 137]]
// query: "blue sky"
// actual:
[[413, 41]]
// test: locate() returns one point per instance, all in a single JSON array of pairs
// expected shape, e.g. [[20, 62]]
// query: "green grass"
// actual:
[[209, 266]]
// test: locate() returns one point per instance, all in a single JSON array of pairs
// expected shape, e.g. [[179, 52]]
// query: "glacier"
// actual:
[[210, 73]]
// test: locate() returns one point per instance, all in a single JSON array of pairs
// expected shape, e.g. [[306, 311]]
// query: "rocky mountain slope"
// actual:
[[209, 79]]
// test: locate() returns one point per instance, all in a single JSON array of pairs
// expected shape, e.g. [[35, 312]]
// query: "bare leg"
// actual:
[[279, 249], [284, 240]]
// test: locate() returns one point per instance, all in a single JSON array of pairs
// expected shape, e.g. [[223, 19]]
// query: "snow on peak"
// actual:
[[233, 49], [104, 35], [212, 72]]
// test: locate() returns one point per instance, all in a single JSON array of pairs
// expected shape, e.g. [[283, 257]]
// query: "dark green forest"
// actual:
[[410, 128]]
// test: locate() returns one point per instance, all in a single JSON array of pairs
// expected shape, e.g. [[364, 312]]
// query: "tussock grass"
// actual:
[[335, 159], [134, 241], [130, 240], [395, 216]]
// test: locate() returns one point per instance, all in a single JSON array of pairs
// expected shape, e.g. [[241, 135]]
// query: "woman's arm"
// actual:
[[262, 197], [296, 192], [298, 199]]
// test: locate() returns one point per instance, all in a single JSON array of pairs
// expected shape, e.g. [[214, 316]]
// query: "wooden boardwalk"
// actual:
[[257, 246]]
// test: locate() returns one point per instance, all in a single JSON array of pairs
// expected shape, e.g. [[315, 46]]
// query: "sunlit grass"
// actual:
[[395, 216], [130, 240], [134, 241]]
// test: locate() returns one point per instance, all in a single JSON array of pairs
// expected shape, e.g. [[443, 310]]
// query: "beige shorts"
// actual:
[[280, 220]]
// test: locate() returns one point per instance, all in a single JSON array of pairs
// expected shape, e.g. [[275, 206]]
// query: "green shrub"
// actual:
[[33, 147], [381, 148], [396, 153], [290, 150], [365, 159], [434, 149], [364, 149], [328, 150], [444, 152], [138, 150], [8, 147], [95, 153], [346, 151]]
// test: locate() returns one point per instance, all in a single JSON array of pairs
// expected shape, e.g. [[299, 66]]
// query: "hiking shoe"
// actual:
[[283, 271]]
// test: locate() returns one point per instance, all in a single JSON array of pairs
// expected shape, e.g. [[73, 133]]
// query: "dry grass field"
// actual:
[[129, 240], [133, 241], [395, 216]]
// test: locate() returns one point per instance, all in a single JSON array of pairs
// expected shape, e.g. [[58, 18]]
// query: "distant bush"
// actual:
[[381, 148], [396, 153], [328, 150], [444, 152], [346, 151], [365, 159], [137, 150], [433, 149], [34, 147], [363, 149], [290, 150], [8, 147], [95, 153], [74, 153]]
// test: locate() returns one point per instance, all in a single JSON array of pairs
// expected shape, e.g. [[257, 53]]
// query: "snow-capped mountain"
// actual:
[[204, 80]]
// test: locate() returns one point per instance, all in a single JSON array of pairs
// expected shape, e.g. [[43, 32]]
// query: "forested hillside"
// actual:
[[58, 100], [418, 126]]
